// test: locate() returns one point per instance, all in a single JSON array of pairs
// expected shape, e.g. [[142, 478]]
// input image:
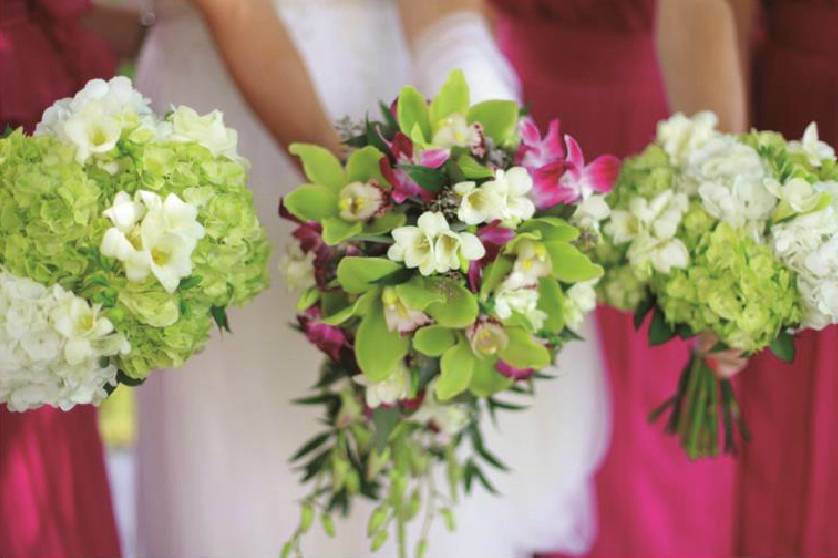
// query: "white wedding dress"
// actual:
[[214, 480]]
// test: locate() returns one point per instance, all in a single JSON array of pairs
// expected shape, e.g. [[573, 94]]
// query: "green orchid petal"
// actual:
[[308, 298], [419, 293], [523, 352], [453, 98], [551, 228], [456, 370], [459, 309], [357, 308], [364, 165], [385, 223], [499, 120], [320, 165], [358, 274], [473, 170], [551, 302], [434, 340], [413, 112], [336, 230], [494, 274], [570, 265], [312, 202], [486, 381], [379, 350]]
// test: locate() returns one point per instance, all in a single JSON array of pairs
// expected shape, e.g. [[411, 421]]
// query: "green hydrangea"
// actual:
[[645, 175], [725, 290]]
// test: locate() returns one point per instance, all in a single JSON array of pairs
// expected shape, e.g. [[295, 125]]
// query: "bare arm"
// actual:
[[268, 70], [698, 46]]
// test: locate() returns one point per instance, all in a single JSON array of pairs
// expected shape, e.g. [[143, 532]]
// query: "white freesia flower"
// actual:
[[297, 267], [590, 212], [580, 300], [730, 180], [517, 295], [432, 246], [532, 261], [360, 201], [398, 316], [94, 120], [389, 391], [512, 187], [161, 243], [52, 346], [447, 418], [815, 150], [455, 131], [208, 131], [477, 205], [680, 135]]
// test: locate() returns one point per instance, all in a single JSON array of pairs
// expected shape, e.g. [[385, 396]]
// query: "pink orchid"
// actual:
[[402, 151], [329, 339], [536, 152], [569, 180], [506, 369], [493, 236]]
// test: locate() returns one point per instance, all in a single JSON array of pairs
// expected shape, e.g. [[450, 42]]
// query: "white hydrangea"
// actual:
[[808, 244], [730, 180], [52, 345], [152, 236], [797, 194], [432, 246], [679, 135], [93, 121], [297, 267], [388, 391], [590, 212], [815, 150]]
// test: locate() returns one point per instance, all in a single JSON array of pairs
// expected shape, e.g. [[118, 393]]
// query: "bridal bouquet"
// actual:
[[440, 267], [123, 236], [733, 236]]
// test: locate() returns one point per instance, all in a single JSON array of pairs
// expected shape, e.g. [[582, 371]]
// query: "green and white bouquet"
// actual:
[[123, 237], [441, 268], [732, 236]]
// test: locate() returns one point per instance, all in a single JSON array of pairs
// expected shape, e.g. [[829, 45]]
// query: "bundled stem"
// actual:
[[694, 411]]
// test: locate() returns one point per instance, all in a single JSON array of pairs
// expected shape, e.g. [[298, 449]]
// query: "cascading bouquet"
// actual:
[[122, 237], [439, 268], [735, 237]]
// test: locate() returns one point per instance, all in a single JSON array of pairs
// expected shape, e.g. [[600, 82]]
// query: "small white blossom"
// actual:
[[455, 131], [432, 246], [208, 131], [815, 150], [297, 267], [398, 316], [389, 391], [516, 295], [448, 418], [680, 135], [580, 300], [477, 205]]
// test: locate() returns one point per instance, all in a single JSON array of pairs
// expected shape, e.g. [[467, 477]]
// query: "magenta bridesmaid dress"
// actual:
[[788, 487], [54, 496], [593, 64]]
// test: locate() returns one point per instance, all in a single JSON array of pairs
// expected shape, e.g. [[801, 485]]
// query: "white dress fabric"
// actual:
[[215, 435]]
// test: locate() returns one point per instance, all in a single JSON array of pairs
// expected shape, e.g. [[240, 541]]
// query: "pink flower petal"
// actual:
[[329, 339], [434, 158], [550, 187], [575, 157], [404, 187], [510, 371], [536, 152], [601, 174], [530, 134]]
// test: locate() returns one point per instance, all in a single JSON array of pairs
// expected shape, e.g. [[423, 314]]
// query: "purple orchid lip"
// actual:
[[329, 339], [510, 371], [536, 152]]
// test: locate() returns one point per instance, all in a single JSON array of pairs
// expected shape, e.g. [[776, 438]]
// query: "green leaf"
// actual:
[[499, 119], [377, 518], [358, 274], [646, 305], [363, 165], [379, 350], [219, 315], [494, 274], [456, 369], [385, 223], [551, 228], [570, 265], [459, 309], [312, 202], [353, 309], [433, 340], [320, 165], [385, 420], [473, 170], [551, 302], [308, 298], [524, 352], [486, 381], [413, 113], [428, 179], [328, 525], [306, 518], [783, 347], [659, 330], [336, 230], [311, 445], [419, 293], [453, 98]]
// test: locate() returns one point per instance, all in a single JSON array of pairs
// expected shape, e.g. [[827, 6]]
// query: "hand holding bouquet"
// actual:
[[735, 238], [440, 267], [122, 237]]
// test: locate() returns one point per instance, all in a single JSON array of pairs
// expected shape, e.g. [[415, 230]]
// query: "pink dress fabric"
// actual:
[[593, 64], [54, 495], [789, 482]]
